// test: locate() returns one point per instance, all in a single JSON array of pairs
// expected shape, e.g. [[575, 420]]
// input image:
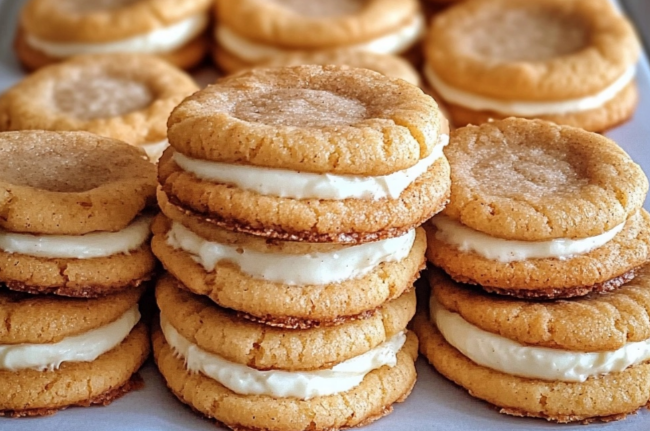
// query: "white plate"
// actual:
[[435, 404]]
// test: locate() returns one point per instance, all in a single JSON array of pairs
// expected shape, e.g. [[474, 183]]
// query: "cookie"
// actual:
[[282, 283], [60, 352], [252, 32], [369, 399], [574, 360], [122, 96], [72, 213], [278, 153], [540, 210], [539, 62], [52, 30]]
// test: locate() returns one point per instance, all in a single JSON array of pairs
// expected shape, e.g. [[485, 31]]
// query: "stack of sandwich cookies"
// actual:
[[250, 376], [72, 225], [252, 32], [539, 62], [122, 96], [53, 30], [581, 360], [265, 229]]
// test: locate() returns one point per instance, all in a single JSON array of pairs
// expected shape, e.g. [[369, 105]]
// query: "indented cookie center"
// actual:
[[89, 98], [89, 6], [322, 8], [301, 108], [530, 34]]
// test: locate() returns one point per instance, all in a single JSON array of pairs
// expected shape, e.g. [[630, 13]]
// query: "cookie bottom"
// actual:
[[604, 398], [37, 393], [369, 401]]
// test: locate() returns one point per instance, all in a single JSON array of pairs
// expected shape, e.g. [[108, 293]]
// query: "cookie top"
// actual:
[[122, 96], [596, 322], [313, 23], [263, 347], [71, 183], [540, 50], [532, 180], [39, 319], [386, 64], [309, 119], [103, 20]]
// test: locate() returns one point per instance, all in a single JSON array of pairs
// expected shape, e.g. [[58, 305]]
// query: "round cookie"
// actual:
[[265, 348], [520, 184], [122, 96], [365, 403], [51, 30], [595, 323], [70, 218], [276, 303], [253, 117], [539, 64]]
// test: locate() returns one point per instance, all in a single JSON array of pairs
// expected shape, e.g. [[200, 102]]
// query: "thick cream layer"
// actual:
[[467, 240], [284, 183], [509, 357], [84, 347], [308, 269], [91, 245], [162, 40], [276, 383], [522, 107], [155, 150], [254, 52]]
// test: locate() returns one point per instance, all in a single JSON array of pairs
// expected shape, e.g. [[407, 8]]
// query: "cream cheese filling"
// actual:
[[308, 269], [88, 246], [84, 347], [509, 357], [155, 150], [469, 240], [162, 40], [285, 183], [277, 383], [254, 52], [524, 108]]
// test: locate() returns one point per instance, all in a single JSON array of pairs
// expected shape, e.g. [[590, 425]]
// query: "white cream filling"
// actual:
[[277, 383], [523, 108], [90, 245], [307, 269], [162, 40], [255, 52], [84, 347], [468, 240], [155, 150], [304, 185], [509, 357]]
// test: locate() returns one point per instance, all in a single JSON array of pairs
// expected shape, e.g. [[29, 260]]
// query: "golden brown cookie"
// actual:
[[539, 210], [255, 31], [283, 303], [264, 348], [289, 163], [582, 330], [122, 96], [539, 63], [51, 30], [369, 401]]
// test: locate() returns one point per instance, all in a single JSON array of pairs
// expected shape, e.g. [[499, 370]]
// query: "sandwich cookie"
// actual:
[[281, 283], [62, 352], [576, 360], [52, 30], [72, 213], [251, 32], [250, 376], [495, 59], [311, 153], [540, 211], [122, 96]]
